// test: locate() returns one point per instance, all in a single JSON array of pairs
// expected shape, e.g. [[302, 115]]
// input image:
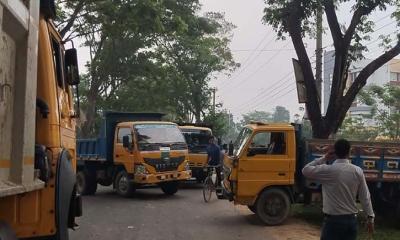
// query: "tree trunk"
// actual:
[[88, 126]]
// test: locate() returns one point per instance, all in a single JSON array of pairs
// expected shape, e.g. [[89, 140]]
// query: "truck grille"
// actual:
[[165, 165]]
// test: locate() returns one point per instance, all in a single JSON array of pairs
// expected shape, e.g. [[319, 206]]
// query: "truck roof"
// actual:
[[270, 126], [195, 128], [130, 123]]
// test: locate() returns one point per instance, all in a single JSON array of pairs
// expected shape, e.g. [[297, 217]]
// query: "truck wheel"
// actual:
[[252, 208], [169, 188], [6, 233], [123, 184], [273, 206], [86, 182]]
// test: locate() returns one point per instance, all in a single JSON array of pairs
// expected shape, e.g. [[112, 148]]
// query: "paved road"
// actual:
[[151, 215]]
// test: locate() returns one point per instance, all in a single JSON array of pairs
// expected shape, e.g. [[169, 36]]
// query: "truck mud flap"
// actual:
[[65, 189]]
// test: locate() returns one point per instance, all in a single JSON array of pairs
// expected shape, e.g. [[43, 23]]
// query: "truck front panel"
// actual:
[[159, 152], [264, 156]]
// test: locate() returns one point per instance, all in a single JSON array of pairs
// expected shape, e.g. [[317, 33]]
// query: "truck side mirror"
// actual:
[[126, 142], [71, 65]]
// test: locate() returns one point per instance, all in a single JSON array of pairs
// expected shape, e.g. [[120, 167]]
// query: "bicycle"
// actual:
[[210, 182]]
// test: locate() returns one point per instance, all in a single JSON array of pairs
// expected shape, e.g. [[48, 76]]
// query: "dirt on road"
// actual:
[[292, 229]]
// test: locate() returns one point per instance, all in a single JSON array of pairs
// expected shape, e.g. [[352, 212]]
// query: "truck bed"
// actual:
[[380, 161], [91, 149]]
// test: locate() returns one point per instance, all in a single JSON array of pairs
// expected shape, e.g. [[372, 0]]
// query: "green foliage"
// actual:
[[258, 116], [281, 114], [385, 102], [355, 129], [147, 55], [223, 125]]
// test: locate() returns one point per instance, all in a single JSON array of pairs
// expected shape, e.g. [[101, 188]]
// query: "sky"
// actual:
[[265, 78]]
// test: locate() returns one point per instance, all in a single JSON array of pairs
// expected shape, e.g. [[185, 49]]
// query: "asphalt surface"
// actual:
[[151, 215]]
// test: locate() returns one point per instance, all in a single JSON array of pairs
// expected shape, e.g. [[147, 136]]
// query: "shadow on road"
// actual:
[[143, 194]]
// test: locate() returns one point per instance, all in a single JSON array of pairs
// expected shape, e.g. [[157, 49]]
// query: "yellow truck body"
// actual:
[[37, 118]]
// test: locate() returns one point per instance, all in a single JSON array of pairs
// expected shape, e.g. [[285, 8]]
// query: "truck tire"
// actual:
[[252, 208], [6, 232], [169, 188], [273, 206], [123, 184], [86, 182]]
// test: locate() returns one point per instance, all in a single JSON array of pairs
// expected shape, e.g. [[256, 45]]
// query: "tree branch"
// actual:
[[74, 15], [361, 79], [295, 30], [333, 22]]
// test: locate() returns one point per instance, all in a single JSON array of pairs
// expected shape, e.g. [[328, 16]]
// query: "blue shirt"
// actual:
[[213, 154]]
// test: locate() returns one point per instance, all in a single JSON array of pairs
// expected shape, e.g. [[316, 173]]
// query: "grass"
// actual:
[[386, 228]]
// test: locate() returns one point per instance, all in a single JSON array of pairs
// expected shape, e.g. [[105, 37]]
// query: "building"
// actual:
[[387, 74]]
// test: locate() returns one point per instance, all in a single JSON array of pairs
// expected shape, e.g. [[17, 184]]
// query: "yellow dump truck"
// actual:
[[263, 170], [133, 150], [197, 137], [37, 124]]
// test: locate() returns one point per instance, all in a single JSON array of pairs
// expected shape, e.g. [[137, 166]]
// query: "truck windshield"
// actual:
[[197, 140], [241, 140], [157, 135]]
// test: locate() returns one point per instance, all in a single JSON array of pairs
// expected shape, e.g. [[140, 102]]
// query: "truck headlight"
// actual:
[[140, 169]]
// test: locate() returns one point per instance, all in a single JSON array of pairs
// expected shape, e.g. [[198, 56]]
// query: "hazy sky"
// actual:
[[265, 78]]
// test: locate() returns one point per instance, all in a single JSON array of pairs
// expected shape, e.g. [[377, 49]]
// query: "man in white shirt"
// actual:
[[342, 182]]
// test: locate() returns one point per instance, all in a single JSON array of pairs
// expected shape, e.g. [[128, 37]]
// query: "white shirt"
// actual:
[[341, 183]]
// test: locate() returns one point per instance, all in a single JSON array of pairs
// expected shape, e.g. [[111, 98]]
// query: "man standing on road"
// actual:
[[341, 183], [214, 157]]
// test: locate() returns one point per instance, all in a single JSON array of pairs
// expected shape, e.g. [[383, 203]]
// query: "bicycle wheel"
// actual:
[[207, 189]]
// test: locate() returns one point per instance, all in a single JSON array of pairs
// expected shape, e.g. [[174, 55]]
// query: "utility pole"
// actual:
[[213, 109], [318, 54]]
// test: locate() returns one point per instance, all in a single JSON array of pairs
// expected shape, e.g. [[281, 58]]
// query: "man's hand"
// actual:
[[329, 156], [370, 225]]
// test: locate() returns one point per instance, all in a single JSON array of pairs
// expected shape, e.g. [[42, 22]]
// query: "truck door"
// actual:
[[265, 162], [122, 155]]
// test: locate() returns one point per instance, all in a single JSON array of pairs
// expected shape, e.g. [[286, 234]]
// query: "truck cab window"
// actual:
[[58, 63], [124, 132], [272, 143]]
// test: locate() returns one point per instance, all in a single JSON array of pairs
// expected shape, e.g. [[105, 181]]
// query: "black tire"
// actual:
[[252, 208], [207, 189], [6, 232], [123, 184], [169, 188], [273, 206], [86, 182]]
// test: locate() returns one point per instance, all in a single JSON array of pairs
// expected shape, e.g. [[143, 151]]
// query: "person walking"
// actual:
[[341, 183]]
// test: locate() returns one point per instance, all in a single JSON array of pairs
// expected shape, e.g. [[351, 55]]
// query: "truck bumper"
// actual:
[[162, 177], [198, 172]]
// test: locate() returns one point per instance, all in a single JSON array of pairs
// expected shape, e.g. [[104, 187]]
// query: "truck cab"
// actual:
[[261, 171], [134, 150], [197, 139]]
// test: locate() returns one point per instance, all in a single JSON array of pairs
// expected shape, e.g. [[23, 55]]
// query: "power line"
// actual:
[[258, 69], [249, 58], [263, 95]]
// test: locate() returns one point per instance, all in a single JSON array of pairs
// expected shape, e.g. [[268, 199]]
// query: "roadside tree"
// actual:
[[296, 18]]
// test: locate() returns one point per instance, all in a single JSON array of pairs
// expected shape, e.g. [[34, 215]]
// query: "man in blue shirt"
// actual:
[[214, 157]]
